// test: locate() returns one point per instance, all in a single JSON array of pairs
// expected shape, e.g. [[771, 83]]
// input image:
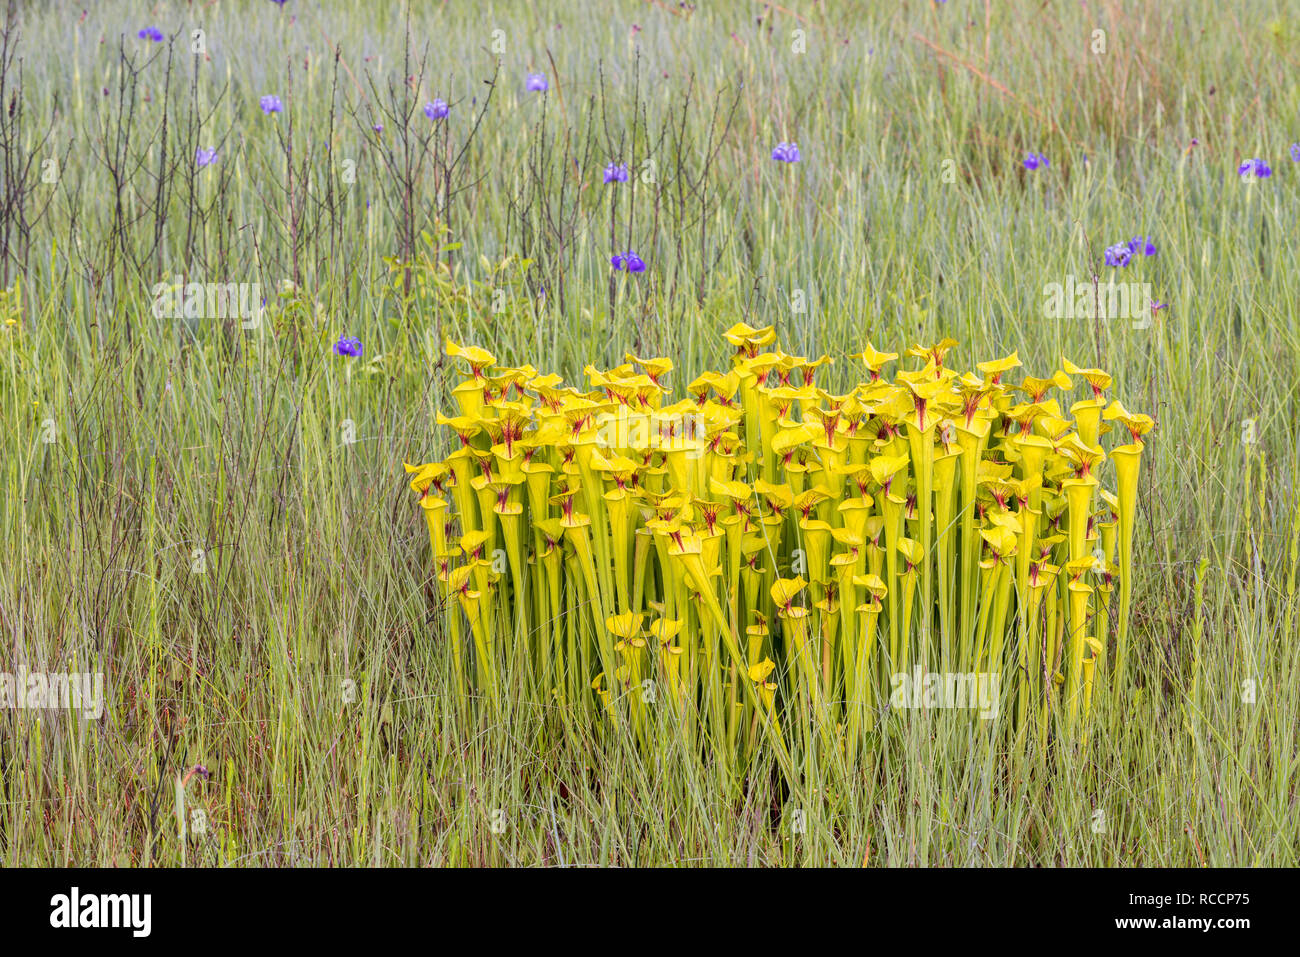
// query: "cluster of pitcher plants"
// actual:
[[760, 559]]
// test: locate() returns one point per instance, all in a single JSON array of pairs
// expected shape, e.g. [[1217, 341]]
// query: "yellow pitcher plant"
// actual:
[[757, 560]]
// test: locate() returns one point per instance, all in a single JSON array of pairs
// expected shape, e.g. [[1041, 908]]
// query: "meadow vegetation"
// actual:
[[208, 504]]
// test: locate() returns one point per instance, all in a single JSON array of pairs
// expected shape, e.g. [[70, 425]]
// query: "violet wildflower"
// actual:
[[1255, 167], [1142, 244], [629, 261], [349, 346], [204, 157], [437, 109], [1118, 255], [786, 153], [1295, 152], [271, 104], [536, 82], [151, 33], [616, 173], [1121, 254], [1034, 161]]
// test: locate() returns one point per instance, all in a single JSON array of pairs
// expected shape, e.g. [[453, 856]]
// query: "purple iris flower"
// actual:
[[1035, 160], [1142, 244], [786, 153], [1255, 167], [349, 346], [1121, 254], [616, 173], [204, 157], [629, 261], [536, 83], [437, 109], [271, 104], [1118, 255], [1295, 152], [151, 33]]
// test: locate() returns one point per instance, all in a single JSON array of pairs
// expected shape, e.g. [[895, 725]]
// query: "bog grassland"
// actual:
[[235, 237]]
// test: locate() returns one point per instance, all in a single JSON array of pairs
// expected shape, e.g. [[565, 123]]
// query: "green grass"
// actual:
[[129, 442]]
